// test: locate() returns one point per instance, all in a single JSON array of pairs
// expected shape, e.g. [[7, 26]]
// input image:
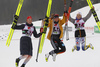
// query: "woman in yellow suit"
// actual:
[[55, 34]]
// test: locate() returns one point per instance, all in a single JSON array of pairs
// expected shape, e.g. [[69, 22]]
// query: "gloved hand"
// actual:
[[41, 30], [65, 13], [52, 16], [93, 7], [13, 27]]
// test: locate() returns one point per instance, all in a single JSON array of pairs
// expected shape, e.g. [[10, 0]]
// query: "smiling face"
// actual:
[[79, 16], [29, 21], [56, 19]]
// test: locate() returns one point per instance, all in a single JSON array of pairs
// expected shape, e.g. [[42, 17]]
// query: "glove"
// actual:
[[52, 16], [41, 29], [65, 13], [13, 27], [93, 7]]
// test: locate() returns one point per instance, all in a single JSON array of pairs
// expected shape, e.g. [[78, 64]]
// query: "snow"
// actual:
[[89, 58]]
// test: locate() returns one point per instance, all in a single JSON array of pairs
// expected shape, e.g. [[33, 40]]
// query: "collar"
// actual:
[[56, 22], [78, 19], [29, 24]]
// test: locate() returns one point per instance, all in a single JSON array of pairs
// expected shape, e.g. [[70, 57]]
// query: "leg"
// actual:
[[26, 61], [83, 42], [55, 46], [62, 47], [84, 46], [23, 56], [18, 59], [77, 47], [53, 52]]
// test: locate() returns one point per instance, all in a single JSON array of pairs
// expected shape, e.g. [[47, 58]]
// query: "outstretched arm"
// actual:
[[64, 18], [35, 33], [88, 16], [71, 19], [19, 27]]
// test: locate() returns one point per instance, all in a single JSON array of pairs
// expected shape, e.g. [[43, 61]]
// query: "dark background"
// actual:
[[35, 8]]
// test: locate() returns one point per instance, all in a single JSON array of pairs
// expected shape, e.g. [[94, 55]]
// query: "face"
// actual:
[[29, 21], [79, 16], [56, 19]]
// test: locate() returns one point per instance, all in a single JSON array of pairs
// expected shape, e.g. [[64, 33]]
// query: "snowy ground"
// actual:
[[89, 58]]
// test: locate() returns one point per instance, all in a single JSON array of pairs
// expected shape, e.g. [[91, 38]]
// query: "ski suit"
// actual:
[[25, 40], [80, 34], [55, 34]]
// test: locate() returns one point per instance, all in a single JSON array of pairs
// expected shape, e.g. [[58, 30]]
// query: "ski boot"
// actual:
[[54, 57], [23, 65], [17, 62], [74, 48], [47, 57], [91, 46]]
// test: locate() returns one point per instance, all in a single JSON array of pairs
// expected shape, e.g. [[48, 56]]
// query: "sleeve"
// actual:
[[71, 19], [20, 27], [35, 33], [48, 23], [64, 19], [88, 16]]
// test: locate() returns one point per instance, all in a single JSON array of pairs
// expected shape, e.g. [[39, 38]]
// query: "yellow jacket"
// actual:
[[50, 25]]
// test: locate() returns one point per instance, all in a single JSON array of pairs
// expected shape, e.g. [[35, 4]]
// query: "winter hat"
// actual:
[[56, 16], [79, 13], [29, 17]]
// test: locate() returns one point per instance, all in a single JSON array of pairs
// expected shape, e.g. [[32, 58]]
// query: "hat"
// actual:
[[29, 17], [56, 16], [79, 13]]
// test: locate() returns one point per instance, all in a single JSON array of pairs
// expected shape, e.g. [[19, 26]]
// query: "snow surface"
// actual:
[[89, 58]]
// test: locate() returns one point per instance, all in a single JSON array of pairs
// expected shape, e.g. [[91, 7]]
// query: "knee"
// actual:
[[25, 56], [29, 56], [63, 49], [56, 50]]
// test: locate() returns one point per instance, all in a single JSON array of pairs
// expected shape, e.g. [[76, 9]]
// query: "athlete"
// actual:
[[25, 41], [80, 34], [54, 35]]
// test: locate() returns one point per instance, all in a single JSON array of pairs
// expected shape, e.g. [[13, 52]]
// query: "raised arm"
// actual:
[[19, 27], [64, 19], [88, 16], [71, 19], [50, 20], [35, 33]]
